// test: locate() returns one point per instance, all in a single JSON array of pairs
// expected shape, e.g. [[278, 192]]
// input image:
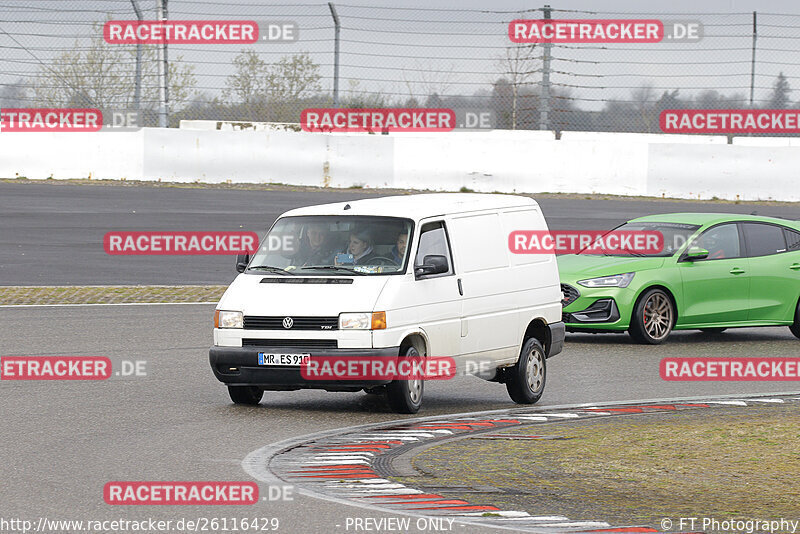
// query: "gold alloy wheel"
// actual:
[[658, 316]]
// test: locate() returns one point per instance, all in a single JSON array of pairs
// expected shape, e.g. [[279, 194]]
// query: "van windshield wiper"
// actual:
[[271, 269], [335, 268]]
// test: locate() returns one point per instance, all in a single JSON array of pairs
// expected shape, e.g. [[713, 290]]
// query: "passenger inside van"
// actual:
[[361, 246]]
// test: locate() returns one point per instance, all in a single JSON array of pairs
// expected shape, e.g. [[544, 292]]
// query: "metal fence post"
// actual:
[[544, 100], [753, 60], [163, 71], [137, 91], [337, 28]]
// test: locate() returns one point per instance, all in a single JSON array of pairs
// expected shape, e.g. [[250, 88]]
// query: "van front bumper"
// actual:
[[238, 366]]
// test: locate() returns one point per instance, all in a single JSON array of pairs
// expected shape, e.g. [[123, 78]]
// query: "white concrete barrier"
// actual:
[[72, 155], [521, 161]]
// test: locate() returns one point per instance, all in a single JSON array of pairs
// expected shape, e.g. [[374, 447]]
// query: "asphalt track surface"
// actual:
[[52, 234], [64, 440]]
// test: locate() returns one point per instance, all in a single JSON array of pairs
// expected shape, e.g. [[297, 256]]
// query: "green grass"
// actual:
[[36, 295], [721, 462]]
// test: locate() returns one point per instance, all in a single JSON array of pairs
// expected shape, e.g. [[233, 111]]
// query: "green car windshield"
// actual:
[[675, 237], [335, 245]]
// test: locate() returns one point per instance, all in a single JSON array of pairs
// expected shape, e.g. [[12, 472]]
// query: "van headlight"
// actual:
[[228, 319], [362, 321], [618, 280]]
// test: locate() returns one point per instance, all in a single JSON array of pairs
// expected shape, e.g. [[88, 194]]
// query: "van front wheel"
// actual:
[[525, 381], [245, 394], [405, 396]]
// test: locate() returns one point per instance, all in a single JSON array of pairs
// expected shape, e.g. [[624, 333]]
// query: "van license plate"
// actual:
[[269, 358]]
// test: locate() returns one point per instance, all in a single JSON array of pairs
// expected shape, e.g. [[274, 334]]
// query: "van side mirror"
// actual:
[[241, 262], [432, 264], [696, 253]]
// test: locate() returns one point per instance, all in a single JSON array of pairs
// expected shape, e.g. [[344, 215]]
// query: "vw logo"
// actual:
[[288, 322]]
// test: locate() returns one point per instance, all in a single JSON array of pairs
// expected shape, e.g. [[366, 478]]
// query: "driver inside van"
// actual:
[[315, 246], [399, 249]]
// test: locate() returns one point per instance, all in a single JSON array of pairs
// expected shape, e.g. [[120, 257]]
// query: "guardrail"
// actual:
[[697, 167]]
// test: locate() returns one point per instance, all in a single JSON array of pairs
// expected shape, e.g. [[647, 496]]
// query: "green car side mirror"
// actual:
[[696, 253]]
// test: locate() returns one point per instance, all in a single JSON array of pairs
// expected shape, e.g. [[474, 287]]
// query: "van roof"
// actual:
[[418, 206]]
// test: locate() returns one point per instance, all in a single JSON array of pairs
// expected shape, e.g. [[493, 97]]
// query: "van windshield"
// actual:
[[335, 245]]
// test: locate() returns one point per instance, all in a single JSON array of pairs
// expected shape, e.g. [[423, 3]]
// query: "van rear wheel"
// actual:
[[245, 394], [525, 381], [405, 396]]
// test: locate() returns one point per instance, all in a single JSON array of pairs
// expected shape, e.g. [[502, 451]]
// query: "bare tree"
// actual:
[[290, 79], [359, 98], [644, 105], [293, 78], [248, 83], [428, 80], [779, 99], [517, 66], [102, 77]]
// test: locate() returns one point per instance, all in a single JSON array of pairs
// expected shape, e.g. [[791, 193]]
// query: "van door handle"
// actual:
[[460, 289], [737, 270], [795, 266]]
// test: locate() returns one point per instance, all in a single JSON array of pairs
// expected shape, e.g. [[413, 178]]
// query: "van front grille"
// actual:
[[292, 343], [276, 322]]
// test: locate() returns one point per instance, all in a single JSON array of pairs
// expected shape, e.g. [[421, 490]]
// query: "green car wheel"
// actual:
[[795, 328], [653, 318]]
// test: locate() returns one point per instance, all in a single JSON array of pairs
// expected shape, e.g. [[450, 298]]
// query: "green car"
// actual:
[[715, 271]]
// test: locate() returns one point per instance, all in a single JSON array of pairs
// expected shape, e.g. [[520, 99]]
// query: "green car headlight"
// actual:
[[617, 280]]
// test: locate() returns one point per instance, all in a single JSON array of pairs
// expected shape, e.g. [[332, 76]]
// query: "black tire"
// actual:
[[653, 317], [795, 328], [525, 381], [405, 396], [713, 330], [375, 391], [245, 394]]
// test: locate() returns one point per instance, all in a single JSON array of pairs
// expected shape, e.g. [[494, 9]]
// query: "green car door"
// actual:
[[716, 289], [774, 271]]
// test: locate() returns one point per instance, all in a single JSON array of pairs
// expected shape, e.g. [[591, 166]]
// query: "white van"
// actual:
[[414, 276]]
